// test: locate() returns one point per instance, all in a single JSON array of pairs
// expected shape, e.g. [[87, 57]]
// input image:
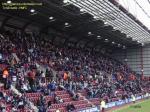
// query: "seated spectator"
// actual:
[[75, 97], [58, 100], [43, 77], [25, 87], [49, 104], [42, 109], [71, 92], [45, 91], [4, 95], [8, 99], [42, 100], [67, 86], [14, 109], [52, 86], [61, 86], [20, 104], [41, 103], [3, 108], [90, 93], [1, 95], [70, 107], [1, 75]]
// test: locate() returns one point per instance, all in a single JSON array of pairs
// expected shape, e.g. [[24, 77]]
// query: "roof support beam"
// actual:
[[12, 26], [66, 41], [53, 39], [44, 29], [5, 21], [25, 26], [86, 44], [79, 40]]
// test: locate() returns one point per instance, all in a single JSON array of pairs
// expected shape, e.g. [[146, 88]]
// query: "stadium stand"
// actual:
[[56, 56], [64, 79]]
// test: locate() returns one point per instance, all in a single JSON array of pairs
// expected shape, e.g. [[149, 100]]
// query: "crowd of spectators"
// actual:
[[13, 102], [35, 64]]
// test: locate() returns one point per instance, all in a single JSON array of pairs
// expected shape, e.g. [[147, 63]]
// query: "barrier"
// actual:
[[116, 103], [121, 102], [93, 109]]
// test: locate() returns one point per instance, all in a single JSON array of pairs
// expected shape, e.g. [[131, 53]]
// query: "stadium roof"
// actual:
[[139, 8], [95, 22], [109, 11]]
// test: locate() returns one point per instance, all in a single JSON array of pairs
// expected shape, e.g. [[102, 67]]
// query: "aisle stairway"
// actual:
[[93, 101], [8, 92], [82, 103]]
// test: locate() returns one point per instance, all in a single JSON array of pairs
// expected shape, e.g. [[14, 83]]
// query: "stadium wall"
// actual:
[[137, 58]]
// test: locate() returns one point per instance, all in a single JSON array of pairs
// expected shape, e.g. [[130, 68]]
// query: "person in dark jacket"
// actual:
[[70, 107]]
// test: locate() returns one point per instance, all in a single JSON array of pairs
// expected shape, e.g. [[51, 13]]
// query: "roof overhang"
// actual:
[[111, 13]]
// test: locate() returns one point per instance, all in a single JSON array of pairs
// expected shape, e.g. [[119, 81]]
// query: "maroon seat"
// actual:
[[33, 94], [64, 96], [60, 92]]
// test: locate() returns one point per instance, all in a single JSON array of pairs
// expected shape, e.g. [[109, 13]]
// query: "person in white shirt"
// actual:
[[14, 109], [133, 98], [25, 87], [102, 106], [43, 77]]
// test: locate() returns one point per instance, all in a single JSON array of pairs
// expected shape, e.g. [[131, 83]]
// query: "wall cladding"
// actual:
[[137, 58]]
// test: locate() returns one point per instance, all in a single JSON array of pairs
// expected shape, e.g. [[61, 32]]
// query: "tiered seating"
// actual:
[[3, 66], [34, 97], [54, 110], [8, 105], [95, 101], [72, 66], [80, 104]]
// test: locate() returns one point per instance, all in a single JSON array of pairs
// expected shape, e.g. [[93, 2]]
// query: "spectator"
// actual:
[[43, 76], [70, 107], [1, 95], [58, 100], [76, 97], [31, 79], [52, 86], [65, 76], [49, 104], [25, 87], [7, 98], [3, 108], [102, 106], [20, 104], [14, 109], [5, 78]]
